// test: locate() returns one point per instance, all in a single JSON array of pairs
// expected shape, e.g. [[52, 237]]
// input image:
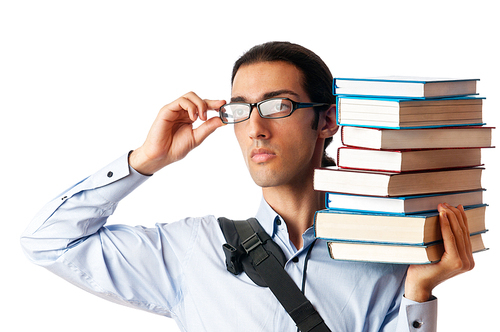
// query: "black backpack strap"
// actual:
[[252, 250]]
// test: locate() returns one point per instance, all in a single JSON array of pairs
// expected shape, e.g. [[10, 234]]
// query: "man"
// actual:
[[178, 269]]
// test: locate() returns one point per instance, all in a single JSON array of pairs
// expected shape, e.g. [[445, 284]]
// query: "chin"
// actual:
[[265, 180]]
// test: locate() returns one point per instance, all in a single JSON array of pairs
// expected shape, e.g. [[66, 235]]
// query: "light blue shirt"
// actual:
[[178, 269]]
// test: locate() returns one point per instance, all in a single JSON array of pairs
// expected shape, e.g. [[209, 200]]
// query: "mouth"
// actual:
[[261, 155]]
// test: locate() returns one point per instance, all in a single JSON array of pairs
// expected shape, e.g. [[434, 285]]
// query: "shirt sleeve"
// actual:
[[133, 266], [417, 317]]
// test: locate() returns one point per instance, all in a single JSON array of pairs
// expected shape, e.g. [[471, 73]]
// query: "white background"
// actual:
[[81, 82]]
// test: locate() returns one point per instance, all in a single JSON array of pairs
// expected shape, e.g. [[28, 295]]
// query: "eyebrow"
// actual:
[[267, 95]]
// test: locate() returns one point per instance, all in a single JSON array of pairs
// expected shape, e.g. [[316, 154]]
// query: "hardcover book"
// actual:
[[401, 204], [372, 183], [407, 160], [408, 113], [413, 229], [430, 138], [405, 87], [369, 252]]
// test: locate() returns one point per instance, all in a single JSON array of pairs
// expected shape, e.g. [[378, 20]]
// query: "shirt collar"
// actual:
[[269, 220], [267, 217]]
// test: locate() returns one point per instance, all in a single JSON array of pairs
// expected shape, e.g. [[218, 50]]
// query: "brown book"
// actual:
[[412, 229], [407, 113], [372, 183], [405, 86], [428, 138], [408, 160]]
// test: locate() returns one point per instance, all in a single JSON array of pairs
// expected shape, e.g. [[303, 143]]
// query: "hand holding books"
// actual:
[[457, 258]]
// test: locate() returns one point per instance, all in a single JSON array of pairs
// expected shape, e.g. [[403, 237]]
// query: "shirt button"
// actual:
[[295, 259], [417, 324], [110, 174]]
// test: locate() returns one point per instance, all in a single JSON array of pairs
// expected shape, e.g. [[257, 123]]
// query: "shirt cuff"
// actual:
[[418, 317], [118, 179]]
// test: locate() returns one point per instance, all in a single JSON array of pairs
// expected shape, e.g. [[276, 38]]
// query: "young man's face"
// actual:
[[278, 152]]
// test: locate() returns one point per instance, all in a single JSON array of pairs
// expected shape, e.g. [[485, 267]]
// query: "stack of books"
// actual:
[[408, 145]]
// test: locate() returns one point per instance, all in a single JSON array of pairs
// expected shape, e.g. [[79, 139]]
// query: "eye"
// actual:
[[277, 108], [240, 111], [282, 106], [234, 112]]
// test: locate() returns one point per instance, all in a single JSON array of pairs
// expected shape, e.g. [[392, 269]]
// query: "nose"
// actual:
[[256, 126]]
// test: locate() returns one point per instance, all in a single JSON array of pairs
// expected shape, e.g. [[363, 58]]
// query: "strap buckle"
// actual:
[[234, 256], [251, 243], [233, 262]]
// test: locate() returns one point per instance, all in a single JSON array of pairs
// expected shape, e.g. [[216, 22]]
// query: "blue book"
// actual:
[[397, 113], [401, 205], [404, 87], [411, 229]]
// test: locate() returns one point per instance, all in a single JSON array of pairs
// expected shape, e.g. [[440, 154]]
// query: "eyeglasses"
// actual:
[[274, 108]]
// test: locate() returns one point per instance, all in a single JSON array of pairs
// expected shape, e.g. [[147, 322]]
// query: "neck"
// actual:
[[296, 205]]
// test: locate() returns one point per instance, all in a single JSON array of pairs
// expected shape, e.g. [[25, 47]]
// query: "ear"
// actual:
[[328, 123]]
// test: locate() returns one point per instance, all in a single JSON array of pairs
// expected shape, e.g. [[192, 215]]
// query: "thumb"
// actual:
[[205, 129]]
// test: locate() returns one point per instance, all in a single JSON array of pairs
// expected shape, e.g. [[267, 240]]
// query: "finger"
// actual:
[[193, 107], [214, 104], [464, 218], [187, 106], [181, 108], [461, 230], [211, 105], [459, 215], [468, 239], [462, 240], [455, 219], [201, 106], [450, 246]]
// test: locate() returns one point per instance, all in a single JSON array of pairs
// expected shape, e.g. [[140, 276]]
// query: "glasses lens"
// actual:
[[232, 113], [276, 108]]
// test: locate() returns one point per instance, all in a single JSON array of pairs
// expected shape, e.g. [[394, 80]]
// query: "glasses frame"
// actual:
[[295, 106]]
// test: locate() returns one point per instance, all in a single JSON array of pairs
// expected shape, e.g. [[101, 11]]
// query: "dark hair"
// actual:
[[317, 78]]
